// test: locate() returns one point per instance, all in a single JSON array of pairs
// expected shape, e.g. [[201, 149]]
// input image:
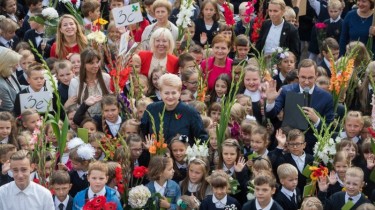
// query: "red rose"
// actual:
[[139, 172], [320, 25]]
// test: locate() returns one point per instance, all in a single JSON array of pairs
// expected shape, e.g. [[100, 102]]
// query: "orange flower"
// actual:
[[267, 76], [152, 149], [164, 145]]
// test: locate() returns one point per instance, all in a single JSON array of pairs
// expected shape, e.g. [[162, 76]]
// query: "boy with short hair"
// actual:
[[296, 144], [264, 188], [116, 4], [35, 6], [240, 28], [290, 16], [197, 52], [60, 182], [329, 44], [91, 12], [289, 197], [22, 193], [27, 59], [351, 198], [242, 47], [185, 61]]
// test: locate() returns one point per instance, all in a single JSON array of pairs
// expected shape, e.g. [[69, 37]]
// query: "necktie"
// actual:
[[94, 195], [350, 199], [84, 177], [10, 44], [61, 206], [293, 198]]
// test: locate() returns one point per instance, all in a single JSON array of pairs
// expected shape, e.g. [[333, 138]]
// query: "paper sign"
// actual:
[[127, 15], [38, 101], [124, 43], [83, 133]]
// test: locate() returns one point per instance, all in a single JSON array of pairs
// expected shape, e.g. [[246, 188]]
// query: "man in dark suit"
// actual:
[[320, 100], [276, 32]]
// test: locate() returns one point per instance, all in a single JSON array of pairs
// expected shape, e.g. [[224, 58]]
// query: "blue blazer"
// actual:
[[172, 191], [81, 198]]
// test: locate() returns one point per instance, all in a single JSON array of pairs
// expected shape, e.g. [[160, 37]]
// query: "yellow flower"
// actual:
[[101, 21]]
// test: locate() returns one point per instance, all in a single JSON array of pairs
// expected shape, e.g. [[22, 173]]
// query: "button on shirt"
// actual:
[[354, 198], [92, 195], [58, 202], [33, 197], [268, 207], [273, 38], [220, 204], [300, 161]]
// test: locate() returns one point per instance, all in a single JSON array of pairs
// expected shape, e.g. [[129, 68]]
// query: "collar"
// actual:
[[28, 190], [221, 202], [282, 78], [5, 140], [327, 63], [4, 41], [65, 202], [118, 122], [192, 187], [268, 207], [181, 166], [355, 198], [81, 173], [32, 91], [90, 193], [288, 192], [310, 91], [160, 189], [334, 21], [255, 96], [302, 157], [355, 139], [228, 169], [339, 180], [280, 25]]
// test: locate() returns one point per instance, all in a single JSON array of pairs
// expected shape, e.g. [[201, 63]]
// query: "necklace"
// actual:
[[364, 17]]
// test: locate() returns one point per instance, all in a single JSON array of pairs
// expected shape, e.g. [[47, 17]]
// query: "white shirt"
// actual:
[[114, 127], [268, 207], [91, 194], [228, 169], [273, 38], [220, 204], [34, 197], [81, 173], [355, 198], [160, 189], [334, 21], [355, 139], [5, 42], [181, 166], [282, 78], [289, 194], [65, 202], [255, 96], [5, 140], [300, 161], [327, 63]]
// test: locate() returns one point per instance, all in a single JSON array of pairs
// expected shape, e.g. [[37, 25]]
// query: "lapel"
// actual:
[[267, 28], [283, 34]]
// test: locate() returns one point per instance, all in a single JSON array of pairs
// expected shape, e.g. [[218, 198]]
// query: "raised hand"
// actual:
[[323, 184], [281, 138], [271, 92], [91, 100], [149, 141], [332, 178], [203, 38], [240, 164], [5, 167], [311, 114], [70, 101], [370, 161]]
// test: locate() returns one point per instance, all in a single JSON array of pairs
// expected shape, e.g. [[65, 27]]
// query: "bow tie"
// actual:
[[41, 35]]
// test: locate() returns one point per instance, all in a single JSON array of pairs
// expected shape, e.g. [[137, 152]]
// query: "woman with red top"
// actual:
[[69, 38], [162, 45], [219, 63]]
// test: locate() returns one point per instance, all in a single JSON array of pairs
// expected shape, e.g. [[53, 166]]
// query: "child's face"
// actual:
[[65, 75], [31, 122], [98, 149], [5, 129], [353, 127], [291, 19], [178, 151], [140, 111], [187, 65], [114, 34], [237, 73], [323, 83], [72, 125], [76, 63], [135, 149], [198, 57], [221, 88], [190, 32], [195, 173], [245, 102], [229, 155], [91, 127], [263, 193], [192, 83], [335, 54], [111, 113], [246, 138], [258, 144], [215, 115], [350, 151], [8, 35], [220, 192], [10, 6], [168, 171], [25, 63], [51, 136], [242, 52], [36, 80], [340, 168], [297, 146], [213, 140], [186, 98], [227, 34], [97, 180], [353, 185], [116, 4], [251, 81], [95, 14], [243, 15], [209, 11], [365, 133], [130, 129], [136, 63], [290, 183], [61, 190], [334, 13], [287, 64], [22, 141], [78, 165], [155, 79]]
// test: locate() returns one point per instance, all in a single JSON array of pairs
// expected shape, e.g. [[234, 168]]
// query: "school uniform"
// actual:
[[339, 199], [211, 202], [37, 38], [290, 200], [79, 182], [200, 27], [254, 205], [22, 79], [180, 171], [242, 178], [85, 195], [66, 204], [10, 44], [255, 98], [332, 30], [170, 189]]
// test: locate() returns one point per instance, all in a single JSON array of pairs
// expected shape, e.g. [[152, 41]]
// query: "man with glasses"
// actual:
[[320, 101]]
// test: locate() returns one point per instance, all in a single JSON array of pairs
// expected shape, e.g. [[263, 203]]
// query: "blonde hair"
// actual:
[[162, 3], [281, 3], [289, 12], [219, 179], [286, 170], [8, 59], [355, 172], [356, 115], [237, 112], [162, 32], [335, 4], [98, 166], [7, 24], [311, 203], [170, 80]]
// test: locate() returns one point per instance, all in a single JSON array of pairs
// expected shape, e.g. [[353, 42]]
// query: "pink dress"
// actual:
[[215, 71]]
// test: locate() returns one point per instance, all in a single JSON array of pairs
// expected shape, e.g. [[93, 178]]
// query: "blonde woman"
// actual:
[[69, 38]]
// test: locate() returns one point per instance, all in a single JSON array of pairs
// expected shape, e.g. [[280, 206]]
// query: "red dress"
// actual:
[[146, 57], [74, 49]]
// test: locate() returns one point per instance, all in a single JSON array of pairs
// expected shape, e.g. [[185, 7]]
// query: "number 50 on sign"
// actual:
[[127, 15]]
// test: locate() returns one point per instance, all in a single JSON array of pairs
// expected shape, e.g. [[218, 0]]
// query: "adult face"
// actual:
[[93, 66], [170, 96], [276, 13], [363, 5], [21, 172], [307, 77], [220, 50], [161, 45], [68, 27], [161, 14]]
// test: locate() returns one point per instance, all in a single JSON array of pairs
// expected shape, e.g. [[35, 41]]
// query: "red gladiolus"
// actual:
[[139, 172], [121, 188], [372, 132], [228, 14], [320, 25], [118, 174]]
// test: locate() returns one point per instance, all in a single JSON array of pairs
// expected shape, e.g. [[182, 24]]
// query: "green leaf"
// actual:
[[308, 190], [372, 146], [372, 175], [37, 19], [306, 171], [348, 205], [83, 133], [63, 137]]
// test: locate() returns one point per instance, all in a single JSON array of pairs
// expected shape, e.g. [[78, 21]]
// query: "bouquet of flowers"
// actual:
[[49, 18], [250, 194], [230, 207], [99, 203], [139, 196], [183, 17], [197, 150], [258, 22], [159, 147], [228, 14], [316, 172]]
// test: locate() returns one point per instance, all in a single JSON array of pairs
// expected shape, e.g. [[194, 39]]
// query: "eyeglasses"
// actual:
[[136, 149], [306, 78], [295, 144], [193, 83]]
